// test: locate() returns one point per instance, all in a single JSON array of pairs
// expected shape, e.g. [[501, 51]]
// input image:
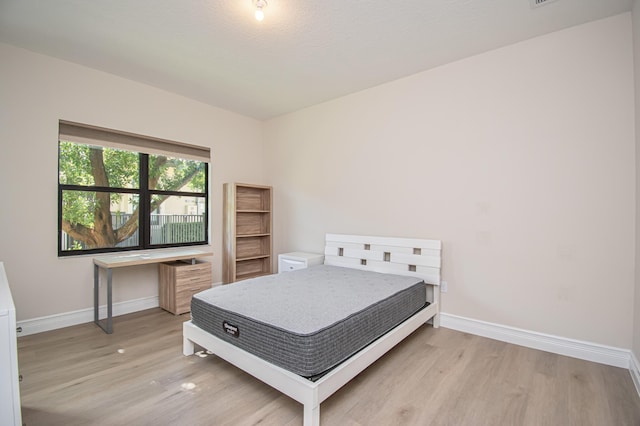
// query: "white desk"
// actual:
[[108, 262]]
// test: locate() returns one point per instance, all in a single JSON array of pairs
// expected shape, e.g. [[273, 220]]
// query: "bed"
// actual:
[[396, 278]]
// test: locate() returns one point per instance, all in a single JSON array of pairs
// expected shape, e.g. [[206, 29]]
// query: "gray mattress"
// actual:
[[310, 320]]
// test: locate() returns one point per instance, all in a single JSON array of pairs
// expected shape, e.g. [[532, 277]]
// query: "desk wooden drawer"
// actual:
[[183, 297], [186, 271], [179, 281]]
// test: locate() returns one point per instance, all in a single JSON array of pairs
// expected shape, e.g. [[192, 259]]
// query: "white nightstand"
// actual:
[[298, 260]]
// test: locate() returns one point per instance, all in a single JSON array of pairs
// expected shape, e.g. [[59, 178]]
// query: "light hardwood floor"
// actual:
[[138, 376]]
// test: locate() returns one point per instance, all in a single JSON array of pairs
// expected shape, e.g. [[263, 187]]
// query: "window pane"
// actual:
[[177, 220], [92, 220], [97, 166], [176, 174], [108, 203]]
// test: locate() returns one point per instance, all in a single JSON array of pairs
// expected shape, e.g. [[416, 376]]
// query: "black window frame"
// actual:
[[144, 219]]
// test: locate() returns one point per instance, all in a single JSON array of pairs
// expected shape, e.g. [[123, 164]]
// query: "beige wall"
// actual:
[[636, 51], [521, 160], [35, 92]]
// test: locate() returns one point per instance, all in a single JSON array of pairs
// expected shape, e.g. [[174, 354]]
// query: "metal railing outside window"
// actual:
[[165, 229]]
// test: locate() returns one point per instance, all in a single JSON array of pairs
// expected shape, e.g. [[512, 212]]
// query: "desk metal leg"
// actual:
[[96, 286], [96, 300], [109, 304]]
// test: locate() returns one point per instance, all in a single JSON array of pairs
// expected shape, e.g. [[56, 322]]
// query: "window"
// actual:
[[118, 191]]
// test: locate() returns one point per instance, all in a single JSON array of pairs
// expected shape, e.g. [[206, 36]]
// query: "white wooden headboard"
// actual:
[[402, 256]]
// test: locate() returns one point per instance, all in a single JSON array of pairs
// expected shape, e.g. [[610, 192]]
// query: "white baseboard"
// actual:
[[634, 369], [67, 319], [559, 345], [53, 322]]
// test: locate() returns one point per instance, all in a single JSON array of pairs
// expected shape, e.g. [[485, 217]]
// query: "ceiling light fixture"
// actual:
[[260, 4]]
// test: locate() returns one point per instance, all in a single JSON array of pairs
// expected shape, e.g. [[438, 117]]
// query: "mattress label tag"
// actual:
[[230, 329]]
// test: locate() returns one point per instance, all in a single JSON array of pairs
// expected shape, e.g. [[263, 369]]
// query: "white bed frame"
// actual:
[[402, 256]]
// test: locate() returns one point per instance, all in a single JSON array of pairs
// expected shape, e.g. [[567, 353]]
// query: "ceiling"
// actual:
[[303, 53]]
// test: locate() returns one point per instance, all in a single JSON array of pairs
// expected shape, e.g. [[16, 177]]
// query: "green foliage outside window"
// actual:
[[98, 182]]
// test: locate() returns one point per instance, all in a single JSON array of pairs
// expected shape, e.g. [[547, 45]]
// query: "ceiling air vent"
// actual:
[[538, 3]]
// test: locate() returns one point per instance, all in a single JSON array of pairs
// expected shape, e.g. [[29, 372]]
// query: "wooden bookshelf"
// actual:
[[247, 223]]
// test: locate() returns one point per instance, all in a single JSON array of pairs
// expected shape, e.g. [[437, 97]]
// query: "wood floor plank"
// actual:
[[138, 376]]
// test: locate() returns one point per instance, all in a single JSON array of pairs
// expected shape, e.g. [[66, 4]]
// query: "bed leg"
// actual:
[[436, 320], [311, 415], [436, 300], [187, 347]]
